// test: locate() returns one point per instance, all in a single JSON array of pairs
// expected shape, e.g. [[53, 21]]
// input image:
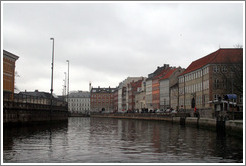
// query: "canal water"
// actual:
[[101, 140]]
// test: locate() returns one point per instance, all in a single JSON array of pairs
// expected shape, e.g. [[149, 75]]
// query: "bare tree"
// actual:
[[238, 46], [232, 77]]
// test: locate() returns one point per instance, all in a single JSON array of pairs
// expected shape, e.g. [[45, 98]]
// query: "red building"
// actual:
[[156, 88], [102, 99], [132, 90]]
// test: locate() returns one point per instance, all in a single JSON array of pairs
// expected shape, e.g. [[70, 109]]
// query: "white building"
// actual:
[[149, 93], [79, 102]]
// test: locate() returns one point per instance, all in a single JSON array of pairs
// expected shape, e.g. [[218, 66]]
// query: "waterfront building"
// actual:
[[166, 82], [148, 95], [132, 88], [115, 100], [102, 99], [149, 87], [210, 77], [9, 60], [156, 88], [123, 97], [79, 102], [174, 96], [140, 96]]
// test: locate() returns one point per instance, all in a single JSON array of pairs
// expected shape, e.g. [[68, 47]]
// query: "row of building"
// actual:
[[205, 79]]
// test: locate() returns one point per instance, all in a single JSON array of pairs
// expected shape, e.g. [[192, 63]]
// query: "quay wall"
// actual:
[[22, 116], [232, 127]]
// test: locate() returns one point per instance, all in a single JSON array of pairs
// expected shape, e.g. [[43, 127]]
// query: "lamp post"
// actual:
[[68, 84], [65, 85], [52, 68]]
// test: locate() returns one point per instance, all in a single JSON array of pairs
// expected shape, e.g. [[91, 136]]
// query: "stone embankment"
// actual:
[[232, 127]]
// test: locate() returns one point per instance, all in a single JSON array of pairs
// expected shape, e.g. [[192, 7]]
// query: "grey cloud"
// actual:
[[106, 42]]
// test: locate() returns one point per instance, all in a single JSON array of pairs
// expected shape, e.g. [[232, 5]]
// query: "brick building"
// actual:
[[132, 90], [102, 99], [209, 77], [9, 60]]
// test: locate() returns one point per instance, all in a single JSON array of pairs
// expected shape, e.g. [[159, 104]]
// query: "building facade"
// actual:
[[9, 60], [166, 82], [174, 96], [140, 101], [132, 90], [210, 77], [79, 102], [115, 96], [123, 96], [148, 96], [102, 99], [152, 88]]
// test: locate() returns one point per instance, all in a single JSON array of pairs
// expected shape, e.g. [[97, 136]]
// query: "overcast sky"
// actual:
[[107, 42]]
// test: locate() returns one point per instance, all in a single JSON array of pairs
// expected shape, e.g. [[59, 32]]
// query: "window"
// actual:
[[216, 69], [224, 83], [224, 69], [216, 83]]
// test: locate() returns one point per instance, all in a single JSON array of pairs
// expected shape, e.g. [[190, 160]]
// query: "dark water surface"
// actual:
[[100, 140]]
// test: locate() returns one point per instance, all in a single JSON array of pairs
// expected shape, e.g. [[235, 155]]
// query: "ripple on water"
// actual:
[[97, 140]]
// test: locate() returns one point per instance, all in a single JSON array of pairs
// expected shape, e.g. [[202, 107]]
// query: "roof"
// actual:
[[103, 90], [80, 94], [158, 71], [10, 55], [223, 55], [168, 74], [36, 93], [163, 73]]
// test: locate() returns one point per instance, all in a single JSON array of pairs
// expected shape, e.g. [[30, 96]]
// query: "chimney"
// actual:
[[90, 86]]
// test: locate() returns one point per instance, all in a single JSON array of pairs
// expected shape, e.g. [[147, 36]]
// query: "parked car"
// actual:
[[159, 111], [167, 111], [174, 112]]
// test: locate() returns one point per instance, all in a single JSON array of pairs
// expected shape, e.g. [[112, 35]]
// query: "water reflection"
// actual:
[[99, 140]]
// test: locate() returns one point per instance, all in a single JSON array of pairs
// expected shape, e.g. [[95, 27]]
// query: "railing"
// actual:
[[22, 101]]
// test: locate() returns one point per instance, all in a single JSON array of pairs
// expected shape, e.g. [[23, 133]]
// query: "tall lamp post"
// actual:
[[52, 68], [67, 84]]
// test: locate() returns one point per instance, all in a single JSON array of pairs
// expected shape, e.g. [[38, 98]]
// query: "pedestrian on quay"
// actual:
[[195, 112]]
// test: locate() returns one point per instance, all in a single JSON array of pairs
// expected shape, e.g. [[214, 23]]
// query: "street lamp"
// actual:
[[68, 82], [52, 68], [65, 85]]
